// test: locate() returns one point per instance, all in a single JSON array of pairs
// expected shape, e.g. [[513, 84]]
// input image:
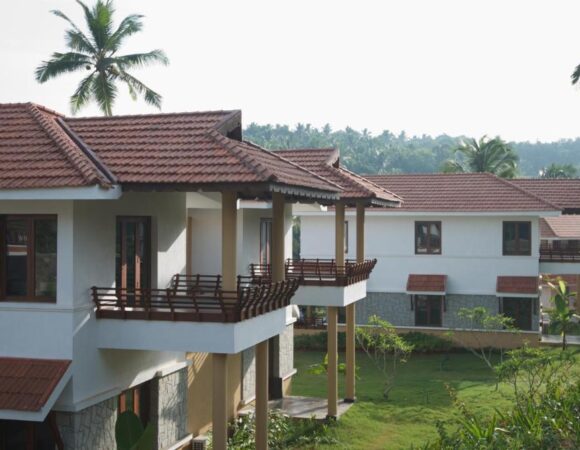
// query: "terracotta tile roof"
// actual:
[[35, 152], [426, 283], [326, 163], [563, 193], [517, 285], [469, 192], [561, 227], [188, 148], [26, 384]]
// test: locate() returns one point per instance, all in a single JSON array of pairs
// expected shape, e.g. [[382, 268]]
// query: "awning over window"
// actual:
[[426, 284], [30, 387], [517, 286]]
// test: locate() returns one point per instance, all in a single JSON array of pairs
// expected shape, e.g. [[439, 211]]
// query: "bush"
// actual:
[[317, 342], [427, 343]]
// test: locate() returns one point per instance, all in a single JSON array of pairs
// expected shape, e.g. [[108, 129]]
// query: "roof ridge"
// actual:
[[524, 191], [274, 153], [72, 153], [230, 145], [355, 175], [182, 113]]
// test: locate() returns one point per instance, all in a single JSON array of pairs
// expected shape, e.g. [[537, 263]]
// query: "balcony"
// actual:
[[551, 253], [194, 314], [322, 282]]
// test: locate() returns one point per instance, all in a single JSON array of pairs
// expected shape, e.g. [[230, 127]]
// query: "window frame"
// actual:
[[31, 262], [429, 251], [141, 399], [517, 251], [431, 299]]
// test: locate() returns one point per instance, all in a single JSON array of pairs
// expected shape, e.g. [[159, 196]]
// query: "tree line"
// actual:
[[388, 152]]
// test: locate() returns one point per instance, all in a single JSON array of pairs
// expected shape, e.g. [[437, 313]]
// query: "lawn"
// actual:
[[418, 400]]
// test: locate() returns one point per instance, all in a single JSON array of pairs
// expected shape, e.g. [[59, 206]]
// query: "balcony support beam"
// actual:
[[262, 396], [278, 240], [229, 239], [332, 372], [220, 401], [351, 310]]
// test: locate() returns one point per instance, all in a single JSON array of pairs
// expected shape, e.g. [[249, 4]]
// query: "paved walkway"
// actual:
[[303, 407], [553, 339]]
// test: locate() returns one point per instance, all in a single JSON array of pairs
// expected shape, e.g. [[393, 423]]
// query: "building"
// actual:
[[457, 241]]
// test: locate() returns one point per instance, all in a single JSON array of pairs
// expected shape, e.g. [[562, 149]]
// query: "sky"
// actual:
[[460, 67]]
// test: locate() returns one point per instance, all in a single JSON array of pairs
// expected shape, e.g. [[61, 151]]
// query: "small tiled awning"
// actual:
[[426, 284], [29, 387], [517, 286]]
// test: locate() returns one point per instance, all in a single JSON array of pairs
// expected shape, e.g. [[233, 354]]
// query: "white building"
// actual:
[[457, 241]]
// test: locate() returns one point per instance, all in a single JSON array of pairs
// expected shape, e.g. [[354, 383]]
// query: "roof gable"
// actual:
[[565, 193]]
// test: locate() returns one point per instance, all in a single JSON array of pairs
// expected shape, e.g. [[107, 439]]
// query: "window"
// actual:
[[137, 400], [520, 309], [427, 238], [428, 310], [517, 238], [265, 240], [346, 236], [28, 258]]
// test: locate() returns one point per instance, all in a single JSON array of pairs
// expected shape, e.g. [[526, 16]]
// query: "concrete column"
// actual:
[[360, 232], [339, 234], [332, 362], [220, 401], [278, 233], [229, 241], [262, 396]]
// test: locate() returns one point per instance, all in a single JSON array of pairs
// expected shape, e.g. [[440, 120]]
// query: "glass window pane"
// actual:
[[435, 237], [509, 237], [45, 257], [421, 238], [16, 257], [524, 237]]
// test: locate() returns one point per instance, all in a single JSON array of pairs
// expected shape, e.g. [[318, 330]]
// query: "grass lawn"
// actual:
[[418, 400]]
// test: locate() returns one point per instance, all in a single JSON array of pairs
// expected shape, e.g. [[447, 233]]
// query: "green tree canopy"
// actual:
[[559, 171], [486, 155], [97, 54]]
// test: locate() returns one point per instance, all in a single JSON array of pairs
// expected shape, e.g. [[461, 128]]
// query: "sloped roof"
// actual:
[[27, 384], [560, 227], [517, 285], [467, 192], [36, 153], [326, 163], [427, 283], [40, 148], [564, 193]]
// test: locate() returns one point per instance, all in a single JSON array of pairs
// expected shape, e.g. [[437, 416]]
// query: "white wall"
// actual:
[[471, 250]]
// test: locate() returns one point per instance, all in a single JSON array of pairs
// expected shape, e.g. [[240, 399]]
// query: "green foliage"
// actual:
[[559, 171], [479, 318], [486, 155], [529, 370], [321, 368], [562, 315], [97, 53], [130, 434], [427, 343], [283, 432], [317, 342], [381, 343]]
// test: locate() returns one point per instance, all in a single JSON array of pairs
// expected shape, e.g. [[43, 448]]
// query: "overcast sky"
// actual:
[[455, 67]]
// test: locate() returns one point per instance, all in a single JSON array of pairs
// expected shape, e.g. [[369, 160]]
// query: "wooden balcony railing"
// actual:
[[318, 272], [550, 254], [196, 298]]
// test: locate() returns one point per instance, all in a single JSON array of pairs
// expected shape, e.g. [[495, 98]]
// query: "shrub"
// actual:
[[427, 343], [317, 342]]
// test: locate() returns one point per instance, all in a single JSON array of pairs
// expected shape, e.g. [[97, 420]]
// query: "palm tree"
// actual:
[[97, 54], [486, 155], [559, 171]]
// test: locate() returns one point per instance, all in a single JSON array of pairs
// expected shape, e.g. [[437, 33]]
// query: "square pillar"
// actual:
[[262, 396], [229, 239], [339, 234], [220, 401], [332, 370], [278, 237]]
